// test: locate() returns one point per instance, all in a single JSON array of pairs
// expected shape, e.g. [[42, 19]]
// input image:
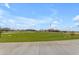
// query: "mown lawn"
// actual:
[[36, 36]]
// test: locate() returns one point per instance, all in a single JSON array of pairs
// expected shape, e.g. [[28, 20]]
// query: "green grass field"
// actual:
[[36, 36]]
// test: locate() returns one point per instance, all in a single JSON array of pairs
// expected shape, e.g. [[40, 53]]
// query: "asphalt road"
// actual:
[[69, 47]]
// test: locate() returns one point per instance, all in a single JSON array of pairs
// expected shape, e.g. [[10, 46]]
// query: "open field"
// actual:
[[35, 36]]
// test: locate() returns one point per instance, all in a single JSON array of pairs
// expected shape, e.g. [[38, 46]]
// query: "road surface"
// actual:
[[69, 47]]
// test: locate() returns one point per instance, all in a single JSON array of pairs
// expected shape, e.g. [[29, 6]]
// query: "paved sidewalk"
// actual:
[[69, 47]]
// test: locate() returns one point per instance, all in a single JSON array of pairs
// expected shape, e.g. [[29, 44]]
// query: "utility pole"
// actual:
[[72, 33], [50, 26]]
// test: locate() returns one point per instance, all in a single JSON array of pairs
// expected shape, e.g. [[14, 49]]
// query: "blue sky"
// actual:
[[61, 16]]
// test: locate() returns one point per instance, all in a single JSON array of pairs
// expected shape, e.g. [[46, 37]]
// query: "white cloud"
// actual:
[[11, 21], [7, 5], [4, 13], [55, 22], [76, 18], [1, 24], [77, 24], [17, 22]]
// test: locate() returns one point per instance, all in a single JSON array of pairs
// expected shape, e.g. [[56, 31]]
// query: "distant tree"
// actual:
[[6, 29], [30, 30], [53, 30], [0, 32]]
